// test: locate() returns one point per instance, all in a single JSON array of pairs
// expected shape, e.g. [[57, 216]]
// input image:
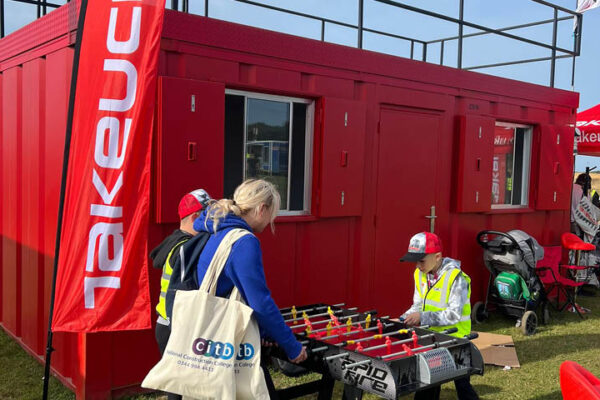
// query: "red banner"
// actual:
[[102, 281], [588, 132]]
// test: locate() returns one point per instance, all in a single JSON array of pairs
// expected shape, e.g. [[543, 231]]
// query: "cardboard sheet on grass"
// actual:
[[497, 349]]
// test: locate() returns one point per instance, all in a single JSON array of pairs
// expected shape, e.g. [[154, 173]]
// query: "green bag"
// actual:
[[511, 286]]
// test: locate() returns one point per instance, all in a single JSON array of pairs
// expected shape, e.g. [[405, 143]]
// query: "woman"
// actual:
[[254, 206]]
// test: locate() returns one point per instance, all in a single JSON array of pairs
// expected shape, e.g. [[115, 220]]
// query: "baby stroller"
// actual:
[[514, 287]]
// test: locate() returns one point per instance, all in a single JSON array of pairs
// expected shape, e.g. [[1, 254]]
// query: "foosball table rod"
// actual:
[[313, 309], [322, 314], [348, 333], [349, 316], [325, 321], [382, 335]]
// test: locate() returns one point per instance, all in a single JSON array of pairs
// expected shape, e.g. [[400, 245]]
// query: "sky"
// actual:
[[480, 50]]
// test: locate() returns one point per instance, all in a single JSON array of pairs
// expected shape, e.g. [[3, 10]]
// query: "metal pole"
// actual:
[[576, 47], [412, 49], [461, 11], [360, 23], [206, 8], [425, 52], [442, 53], [39, 8], [553, 62], [175, 5], [1, 18], [322, 30], [63, 186], [44, 9], [186, 6]]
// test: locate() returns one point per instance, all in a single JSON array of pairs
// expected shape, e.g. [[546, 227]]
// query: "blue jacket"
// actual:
[[244, 269]]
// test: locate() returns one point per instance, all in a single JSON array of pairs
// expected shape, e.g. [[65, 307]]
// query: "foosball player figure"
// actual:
[[441, 300]]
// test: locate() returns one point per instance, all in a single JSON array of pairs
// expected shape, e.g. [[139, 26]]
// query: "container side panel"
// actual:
[[30, 176], [279, 259], [323, 254], [1, 196], [58, 81], [11, 148], [133, 354]]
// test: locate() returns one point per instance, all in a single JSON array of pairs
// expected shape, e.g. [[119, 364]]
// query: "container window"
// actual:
[[511, 165], [268, 137]]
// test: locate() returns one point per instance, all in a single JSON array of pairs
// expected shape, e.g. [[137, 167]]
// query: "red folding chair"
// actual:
[[554, 277], [577, 246], [577, 383]]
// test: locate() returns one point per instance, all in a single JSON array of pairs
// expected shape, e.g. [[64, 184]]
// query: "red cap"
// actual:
[[422, 244], [193, 202]]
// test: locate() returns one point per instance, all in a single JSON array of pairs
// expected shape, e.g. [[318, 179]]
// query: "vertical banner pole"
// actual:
[[63, 184]]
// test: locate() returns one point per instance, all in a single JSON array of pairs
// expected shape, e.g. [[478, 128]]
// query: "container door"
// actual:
[[342, 173], [556, 166], [475, 161], [406, 181], [190, 142]]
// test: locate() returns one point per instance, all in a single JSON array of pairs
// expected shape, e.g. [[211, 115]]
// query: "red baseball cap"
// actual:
[[422, 244], [193, 202]]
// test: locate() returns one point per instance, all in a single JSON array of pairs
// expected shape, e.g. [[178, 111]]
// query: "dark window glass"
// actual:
[[234, 143]]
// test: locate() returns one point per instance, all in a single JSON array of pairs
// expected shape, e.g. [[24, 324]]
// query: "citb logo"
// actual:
[[210, 348]]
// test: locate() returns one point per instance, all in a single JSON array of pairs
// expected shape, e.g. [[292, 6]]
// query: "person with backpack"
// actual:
[[165, 255], [254, 206], [441, 300]]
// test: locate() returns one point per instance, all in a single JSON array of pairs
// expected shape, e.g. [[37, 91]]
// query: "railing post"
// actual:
[[206, 8], [360, 23], [175, 5], [322, 30], [442, 52], [425, 51], [553, 62], [412, 49], [186, 6], [461, 11]]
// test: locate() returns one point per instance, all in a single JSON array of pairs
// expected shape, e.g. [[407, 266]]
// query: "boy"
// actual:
[[441, 299]]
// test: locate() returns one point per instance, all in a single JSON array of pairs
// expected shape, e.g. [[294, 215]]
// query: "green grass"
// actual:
[[567, 337], [21, 377]]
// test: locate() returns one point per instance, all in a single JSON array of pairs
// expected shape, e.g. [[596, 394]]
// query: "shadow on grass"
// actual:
[[556, 395], [449, 391]]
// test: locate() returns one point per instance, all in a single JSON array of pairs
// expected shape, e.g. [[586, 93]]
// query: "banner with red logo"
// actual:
[[587, 132], [102, 279]]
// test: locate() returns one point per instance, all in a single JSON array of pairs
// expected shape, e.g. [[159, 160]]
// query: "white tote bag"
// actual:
[[208, 341]]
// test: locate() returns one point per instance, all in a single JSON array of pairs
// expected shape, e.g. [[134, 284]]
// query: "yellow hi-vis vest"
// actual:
[[436, 299], [161, 307]]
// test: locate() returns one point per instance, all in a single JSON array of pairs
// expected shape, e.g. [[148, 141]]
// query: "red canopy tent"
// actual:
[[588, 132]]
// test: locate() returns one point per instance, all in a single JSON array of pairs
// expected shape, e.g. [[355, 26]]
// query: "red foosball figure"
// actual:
[[388, 344], [415, 339], [379, 326], [407, 350]]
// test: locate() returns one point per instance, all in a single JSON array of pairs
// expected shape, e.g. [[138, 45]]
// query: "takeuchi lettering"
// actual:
[[105, 240], [588, 137]]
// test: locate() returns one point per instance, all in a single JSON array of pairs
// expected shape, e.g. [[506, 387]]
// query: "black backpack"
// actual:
[[185, 269]]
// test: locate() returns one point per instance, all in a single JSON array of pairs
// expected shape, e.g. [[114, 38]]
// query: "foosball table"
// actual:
[[371, 354]]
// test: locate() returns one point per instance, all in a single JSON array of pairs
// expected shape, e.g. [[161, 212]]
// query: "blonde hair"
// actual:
[[248, 197]]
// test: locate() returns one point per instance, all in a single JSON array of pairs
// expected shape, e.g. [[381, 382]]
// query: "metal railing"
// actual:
[[556, 52]]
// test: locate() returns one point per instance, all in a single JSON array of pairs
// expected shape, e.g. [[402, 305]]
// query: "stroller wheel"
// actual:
[[478, 313], [529, 323]]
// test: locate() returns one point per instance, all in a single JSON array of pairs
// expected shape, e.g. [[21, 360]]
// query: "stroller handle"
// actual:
[[486, 245]]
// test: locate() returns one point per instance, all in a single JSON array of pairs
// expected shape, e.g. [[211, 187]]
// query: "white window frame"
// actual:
[[308, 143], [526, 166]]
